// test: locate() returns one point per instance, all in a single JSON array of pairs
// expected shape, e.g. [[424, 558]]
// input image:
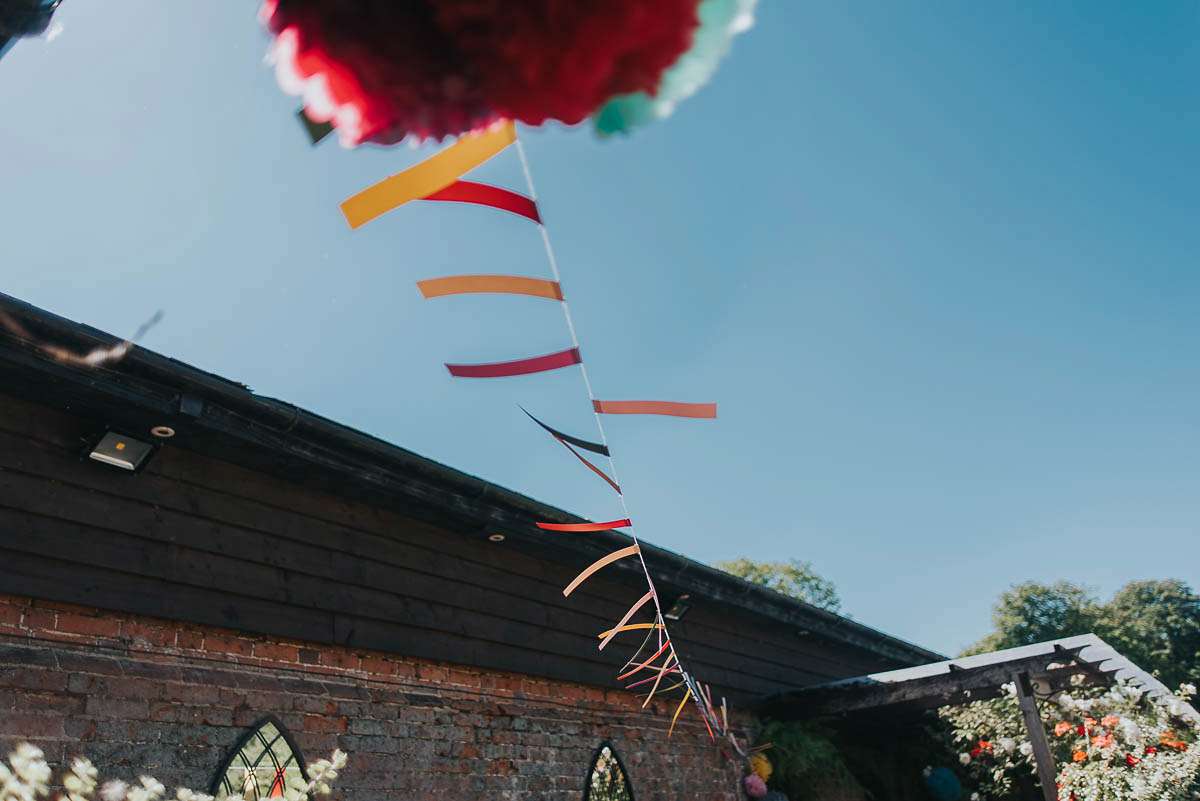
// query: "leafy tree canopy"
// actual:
[[794, 578], [1157, 625], [1033, 612], [1154, 623]]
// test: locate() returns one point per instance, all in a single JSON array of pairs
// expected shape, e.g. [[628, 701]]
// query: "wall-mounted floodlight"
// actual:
[[121, 451], [679, 608]]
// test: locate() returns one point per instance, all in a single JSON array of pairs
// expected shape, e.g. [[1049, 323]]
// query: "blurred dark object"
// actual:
[[24, 18]]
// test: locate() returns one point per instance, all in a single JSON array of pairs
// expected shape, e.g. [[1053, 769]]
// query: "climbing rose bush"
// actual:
[[1109, 744], [27, 777]]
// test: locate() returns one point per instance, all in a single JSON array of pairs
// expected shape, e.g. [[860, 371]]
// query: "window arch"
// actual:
[[261, 764], [607, 780]]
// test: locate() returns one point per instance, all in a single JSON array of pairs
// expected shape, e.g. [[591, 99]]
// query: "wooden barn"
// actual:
[[211, 586]]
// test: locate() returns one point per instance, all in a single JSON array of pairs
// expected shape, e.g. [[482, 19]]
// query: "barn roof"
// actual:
[[223, 419]]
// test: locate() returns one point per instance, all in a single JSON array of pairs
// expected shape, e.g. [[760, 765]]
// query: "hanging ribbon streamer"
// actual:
[[638, 604], [673, 671], [631, 626], [565, 440], [494, 284], [485, 195], [599, 564], [432, 175], [438, 178], [675, 717], [584, 527], [645, 664], [594, 447], [666, 665], [538, 364], [590, 466], [700, 410]]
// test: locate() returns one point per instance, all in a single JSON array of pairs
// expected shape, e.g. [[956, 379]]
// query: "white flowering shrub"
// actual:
[[1108, 744], [27, 776]]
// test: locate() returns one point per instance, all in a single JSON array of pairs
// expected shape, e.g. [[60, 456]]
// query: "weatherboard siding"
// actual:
[[195, 539]]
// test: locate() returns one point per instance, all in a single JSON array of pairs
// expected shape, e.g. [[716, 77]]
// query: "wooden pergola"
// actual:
[[1038, 671]]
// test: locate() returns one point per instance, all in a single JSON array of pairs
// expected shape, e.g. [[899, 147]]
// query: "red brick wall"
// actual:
[[141, 695]]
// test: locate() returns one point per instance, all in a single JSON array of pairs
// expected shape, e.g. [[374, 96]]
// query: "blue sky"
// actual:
[[936, 264]]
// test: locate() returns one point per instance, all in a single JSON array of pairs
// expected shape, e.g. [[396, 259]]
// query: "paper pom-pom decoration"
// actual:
[[943, 785], [755, 787], [720, 21], [387, 70], [760, 766]]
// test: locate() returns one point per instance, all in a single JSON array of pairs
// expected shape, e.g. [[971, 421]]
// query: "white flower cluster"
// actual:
[[323, 772], [1109, 744], [26, 777], [81, 781], [1161, 776]]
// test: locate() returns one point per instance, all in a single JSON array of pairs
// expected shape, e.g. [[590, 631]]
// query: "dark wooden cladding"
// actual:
[[197, 539]]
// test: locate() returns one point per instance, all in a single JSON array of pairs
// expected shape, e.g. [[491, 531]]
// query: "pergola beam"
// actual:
[[954, 685]]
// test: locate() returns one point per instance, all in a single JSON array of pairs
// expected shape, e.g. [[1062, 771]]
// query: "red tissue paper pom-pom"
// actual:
[[562, 59], [379, 70], [383, 70]]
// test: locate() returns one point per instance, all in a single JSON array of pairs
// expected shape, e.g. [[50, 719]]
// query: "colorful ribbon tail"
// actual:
[[669, 408], [645, 664], [432, 175], [638, 604], [490, 284], [584, 527], [491, 196], [537, 364], [666, 666], [594, 447], [600, 564], [631, 627], [616, 487], [675, 717]]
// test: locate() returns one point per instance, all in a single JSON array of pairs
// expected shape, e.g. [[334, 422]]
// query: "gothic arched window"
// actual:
[[261, 764], [606, 779]]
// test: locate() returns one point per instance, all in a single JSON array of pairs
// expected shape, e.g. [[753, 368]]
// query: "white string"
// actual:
[[599, 424]]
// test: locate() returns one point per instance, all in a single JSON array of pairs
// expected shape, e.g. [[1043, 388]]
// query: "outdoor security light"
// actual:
[[679, 608], [121, 451]]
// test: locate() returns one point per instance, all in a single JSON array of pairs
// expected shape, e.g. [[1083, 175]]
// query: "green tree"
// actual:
[[1157, 625], [1154, 623], [794, 578], [1033, 612]]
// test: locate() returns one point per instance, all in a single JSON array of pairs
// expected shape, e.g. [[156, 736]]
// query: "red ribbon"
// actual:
[[538, 364], [578, 527], [484, 195]]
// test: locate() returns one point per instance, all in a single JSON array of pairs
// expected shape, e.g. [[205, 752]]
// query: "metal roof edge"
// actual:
[[1090, 648]]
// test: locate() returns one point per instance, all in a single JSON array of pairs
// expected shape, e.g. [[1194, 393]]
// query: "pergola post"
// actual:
[[1047, 774]]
